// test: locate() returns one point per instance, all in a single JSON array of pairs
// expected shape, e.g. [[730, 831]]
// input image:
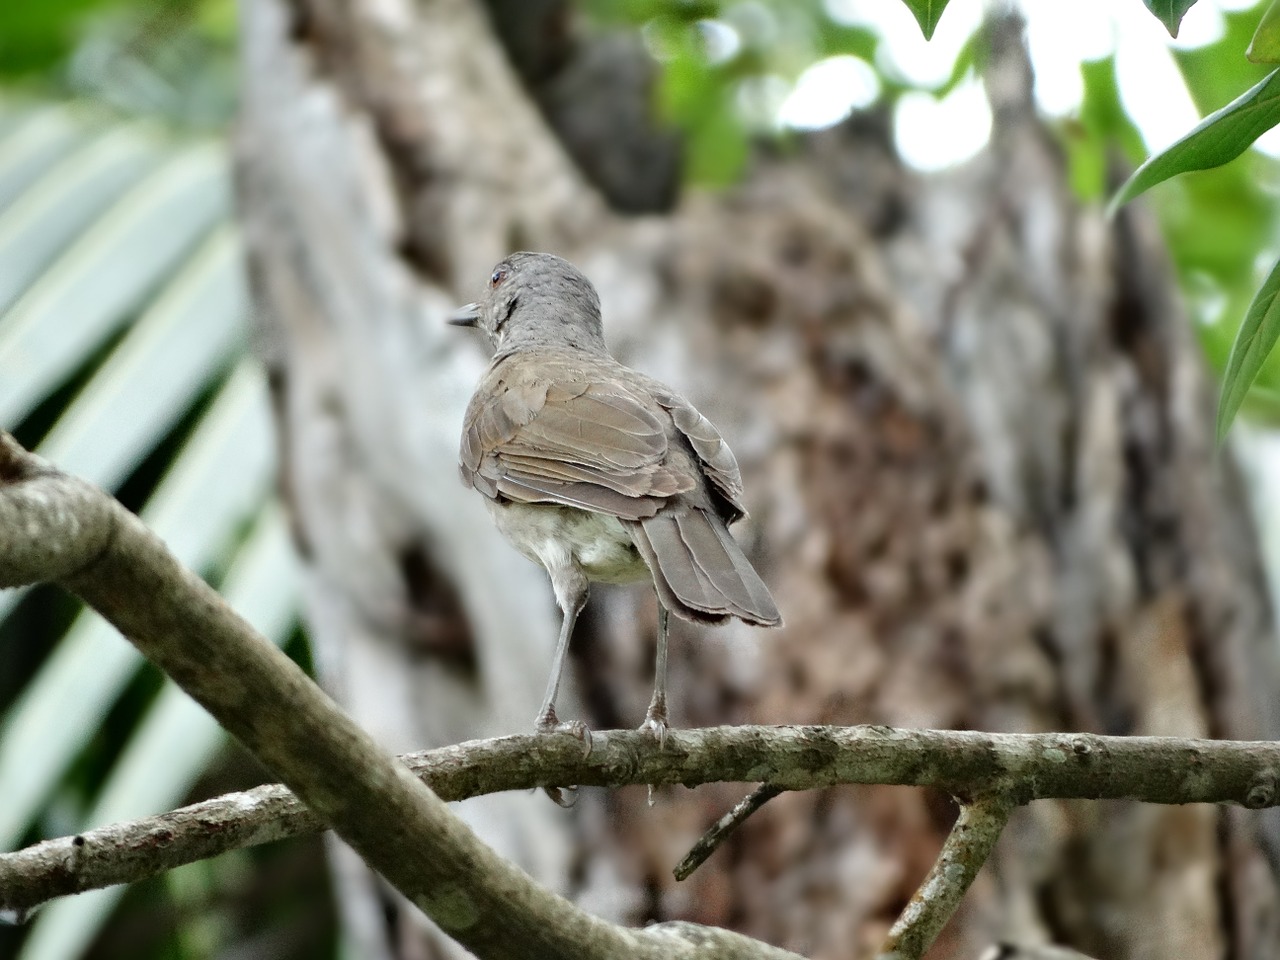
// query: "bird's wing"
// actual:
[[718, 461], [591, 445]]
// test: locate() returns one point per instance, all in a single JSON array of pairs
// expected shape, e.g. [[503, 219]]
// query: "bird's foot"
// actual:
[[548, 722], [657, 728], [655, 723]]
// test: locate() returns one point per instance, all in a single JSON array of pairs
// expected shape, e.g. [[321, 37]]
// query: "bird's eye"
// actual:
[[498, 276]]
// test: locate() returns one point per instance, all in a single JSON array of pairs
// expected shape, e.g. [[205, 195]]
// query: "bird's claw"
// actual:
[[564, 797], [549, 723], [655, 725]]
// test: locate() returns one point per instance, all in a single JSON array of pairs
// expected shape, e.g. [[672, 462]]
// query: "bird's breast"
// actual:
[[560, 537]]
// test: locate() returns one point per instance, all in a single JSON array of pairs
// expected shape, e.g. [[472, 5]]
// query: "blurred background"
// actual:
[[975, 420]]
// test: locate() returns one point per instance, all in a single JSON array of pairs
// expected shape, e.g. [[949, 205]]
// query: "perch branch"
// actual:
[[57, 528], [1019, 767], [966, 849]]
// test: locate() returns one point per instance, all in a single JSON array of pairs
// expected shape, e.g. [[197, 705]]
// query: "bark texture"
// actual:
[[977, 442]]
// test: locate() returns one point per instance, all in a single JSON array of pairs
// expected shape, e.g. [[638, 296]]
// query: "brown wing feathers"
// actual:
[[718, 462], [585, 496], [599, 447]]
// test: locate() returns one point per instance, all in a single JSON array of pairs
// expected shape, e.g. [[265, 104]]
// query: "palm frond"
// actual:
[[123, 330]]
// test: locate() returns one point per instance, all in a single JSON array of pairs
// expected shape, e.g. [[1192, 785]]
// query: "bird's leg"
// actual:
[[655, 719], [571, 595]]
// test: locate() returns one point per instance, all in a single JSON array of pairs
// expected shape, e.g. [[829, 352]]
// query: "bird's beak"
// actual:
[[467, 316]]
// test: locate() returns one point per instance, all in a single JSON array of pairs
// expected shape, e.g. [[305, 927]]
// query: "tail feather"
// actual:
[[662, 583], [761, 600], [699, 570], [682, 587]]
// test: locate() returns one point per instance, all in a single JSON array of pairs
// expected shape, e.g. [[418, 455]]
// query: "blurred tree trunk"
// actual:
[[973, 422]]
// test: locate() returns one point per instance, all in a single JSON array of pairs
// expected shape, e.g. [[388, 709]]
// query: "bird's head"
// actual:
[[536, 300]]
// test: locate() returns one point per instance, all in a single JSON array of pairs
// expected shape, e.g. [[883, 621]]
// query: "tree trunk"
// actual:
[[976, 436]]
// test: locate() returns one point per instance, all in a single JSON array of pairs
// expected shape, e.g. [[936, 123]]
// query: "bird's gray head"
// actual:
[[536, 300]]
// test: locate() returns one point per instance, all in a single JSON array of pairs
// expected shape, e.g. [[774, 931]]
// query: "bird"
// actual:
[[597, 472]]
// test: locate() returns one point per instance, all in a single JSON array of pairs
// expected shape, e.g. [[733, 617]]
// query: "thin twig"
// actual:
[[966, 849], [723, 827]]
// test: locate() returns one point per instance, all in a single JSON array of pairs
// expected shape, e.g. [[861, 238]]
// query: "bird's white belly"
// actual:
[[560, 537]]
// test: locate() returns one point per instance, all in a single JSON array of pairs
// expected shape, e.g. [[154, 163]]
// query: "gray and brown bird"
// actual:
[[597, 472]]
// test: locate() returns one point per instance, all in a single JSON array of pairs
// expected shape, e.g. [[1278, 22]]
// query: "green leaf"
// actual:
[[1265, 45], [36, 143], [47, 217], [972, 59], [1215, 223], [1219, 137], [106, 274], [699, 98], [927, 14], [1170, 12], [1258, 334], [1101, 126], [834, 39], [717, 149], [35, 36], [171, 353]]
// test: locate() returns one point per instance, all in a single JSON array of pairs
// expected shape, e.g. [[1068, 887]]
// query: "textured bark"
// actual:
[[597, 95], [996, 772], [976, 436]]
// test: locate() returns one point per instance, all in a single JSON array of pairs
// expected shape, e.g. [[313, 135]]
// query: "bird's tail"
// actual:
[[699, 570]]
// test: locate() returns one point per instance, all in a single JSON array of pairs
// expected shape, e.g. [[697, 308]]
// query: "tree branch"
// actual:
[[1015, 767], [967, 847], [59, 528], [51, 524], [723, 828]]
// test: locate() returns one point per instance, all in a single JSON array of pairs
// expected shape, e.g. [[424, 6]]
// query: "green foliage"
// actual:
[[1265, 45], [1257, 336], [1216, 220], [1102, 125], [720, 98], [927, 14], [1218, 214], [122, 327], [1220, 137], [172, 59], [1170, 12], [837, 39], [1216, 73], [698, 96], [37, 34]]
